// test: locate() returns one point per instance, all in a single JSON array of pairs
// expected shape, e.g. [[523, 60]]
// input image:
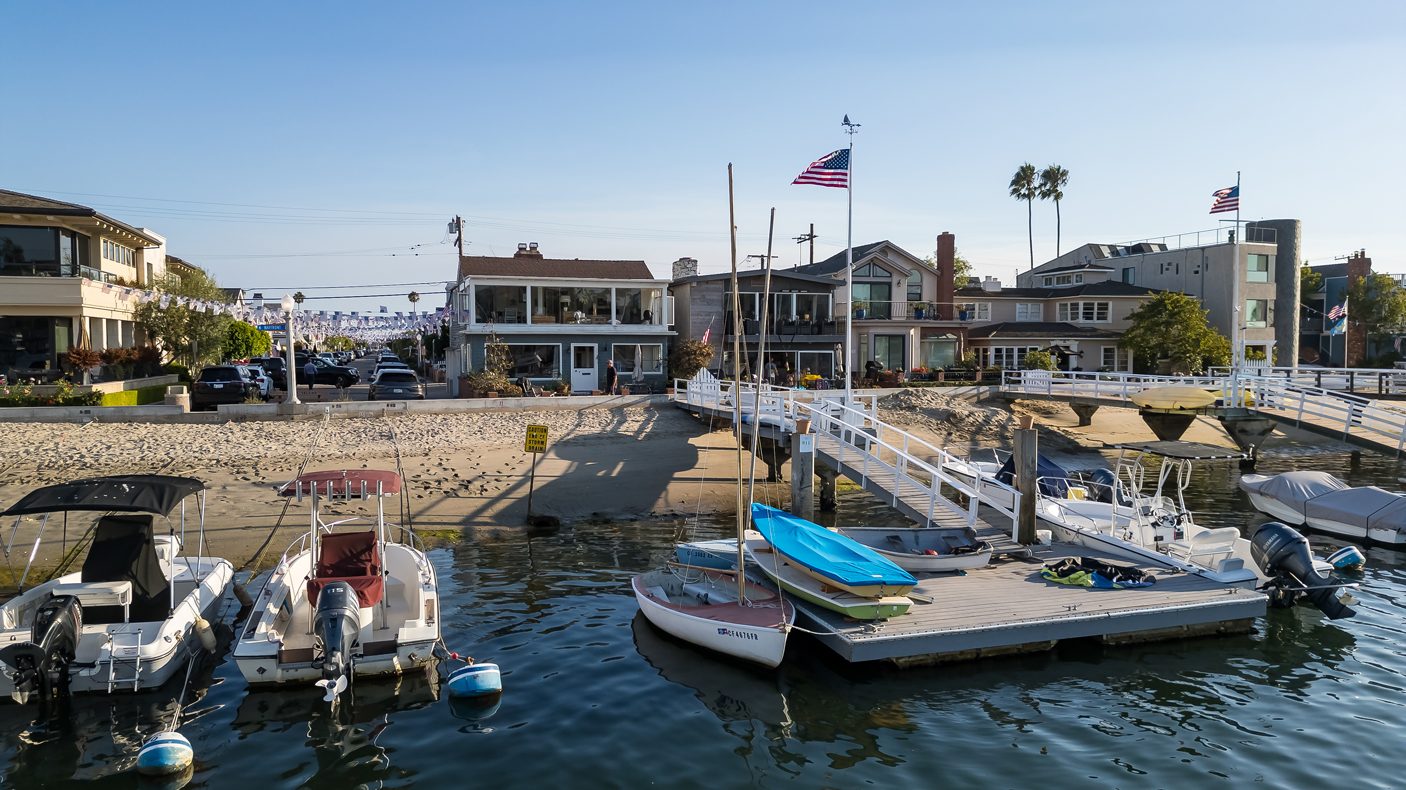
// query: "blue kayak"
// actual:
[[830, 557]]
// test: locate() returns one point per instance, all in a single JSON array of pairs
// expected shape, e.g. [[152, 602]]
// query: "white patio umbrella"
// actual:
[[639, 364]]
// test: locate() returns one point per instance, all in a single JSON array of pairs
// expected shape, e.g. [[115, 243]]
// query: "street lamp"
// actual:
[[288, 304]]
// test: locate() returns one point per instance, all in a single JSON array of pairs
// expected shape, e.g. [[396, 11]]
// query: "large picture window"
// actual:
[[565, 305], [30, 252], [873, 298], [627, 354], [1260, 268], [534, 361], [500, 304]]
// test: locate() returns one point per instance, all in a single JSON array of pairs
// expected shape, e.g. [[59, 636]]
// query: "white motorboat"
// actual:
[[133, 615], [342, 604], [978, 467], [1323, 502], [924, 550]]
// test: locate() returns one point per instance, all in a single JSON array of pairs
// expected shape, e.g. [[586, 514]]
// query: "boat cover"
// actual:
[[124, 550], [349, 557], [1052, 477], [157, 494], [829, 554], [1369, 507], [1294, 489], [1087, 572]]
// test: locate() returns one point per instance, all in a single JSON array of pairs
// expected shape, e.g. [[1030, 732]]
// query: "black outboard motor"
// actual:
[[1283, 554], [41, 665], [1105, 485], [336, 625]]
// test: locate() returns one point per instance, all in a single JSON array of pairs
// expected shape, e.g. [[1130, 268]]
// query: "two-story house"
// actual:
[[1078, 322], [561, 318], [902, 306], [804, 333], [1211, 266], [48, 248]]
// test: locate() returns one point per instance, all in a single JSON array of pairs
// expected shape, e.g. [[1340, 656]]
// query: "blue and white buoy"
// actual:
[[475, 680], [1347, 557], [167, 753]]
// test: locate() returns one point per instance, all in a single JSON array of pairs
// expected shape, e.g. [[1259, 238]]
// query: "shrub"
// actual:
[[179, 370], [688, 357], [137, 397]]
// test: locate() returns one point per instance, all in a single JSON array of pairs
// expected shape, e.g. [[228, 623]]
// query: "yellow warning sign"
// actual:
[[536, 439]]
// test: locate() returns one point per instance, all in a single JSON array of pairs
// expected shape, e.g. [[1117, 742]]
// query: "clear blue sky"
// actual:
[[342, 133]]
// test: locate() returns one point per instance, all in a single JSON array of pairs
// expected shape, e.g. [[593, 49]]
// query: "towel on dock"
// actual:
[[1085, 572]]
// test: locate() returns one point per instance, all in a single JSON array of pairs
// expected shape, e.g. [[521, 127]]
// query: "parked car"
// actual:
[[273, 368], [221, 384], [384, 366], [393, 384], [327, 373], [258, 376]]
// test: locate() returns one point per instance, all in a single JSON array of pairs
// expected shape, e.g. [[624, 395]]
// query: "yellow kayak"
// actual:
[[1174, 398]]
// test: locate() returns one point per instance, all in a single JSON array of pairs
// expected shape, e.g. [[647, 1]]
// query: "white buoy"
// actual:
[[475, 680], [167, 753], [242, 595], [206, 633]]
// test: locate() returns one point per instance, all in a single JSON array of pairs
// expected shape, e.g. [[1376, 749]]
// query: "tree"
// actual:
[[1023, 188], [1309, 281], [1052, 180], [1377, 302], [687, 357], [1039, 360], [1173, 325], [243, 341], [176, 326], [961, 268]]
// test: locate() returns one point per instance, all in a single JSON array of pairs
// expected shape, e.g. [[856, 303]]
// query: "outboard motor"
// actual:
[[41, 664], [336, 625], [1283, 554], [1105, 486]]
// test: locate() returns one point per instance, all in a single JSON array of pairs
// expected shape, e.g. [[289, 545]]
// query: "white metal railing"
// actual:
[[1381, 381], [1111, 386], [868, 444], [781, 402]]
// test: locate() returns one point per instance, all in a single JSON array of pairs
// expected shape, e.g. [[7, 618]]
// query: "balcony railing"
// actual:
[[788, 327], [915, 311]]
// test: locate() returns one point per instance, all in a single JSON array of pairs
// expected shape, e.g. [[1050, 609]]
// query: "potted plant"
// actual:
[[920, 313], [84, 359]]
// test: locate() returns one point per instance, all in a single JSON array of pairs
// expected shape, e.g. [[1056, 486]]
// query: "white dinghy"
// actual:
[[133, 615], [924, 550], [342, 604]]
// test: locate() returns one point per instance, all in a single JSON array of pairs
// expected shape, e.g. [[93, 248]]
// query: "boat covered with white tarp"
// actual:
[[1326, 503]]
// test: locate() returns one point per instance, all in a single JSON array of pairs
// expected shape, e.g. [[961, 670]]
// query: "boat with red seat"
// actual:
[[343, 604]]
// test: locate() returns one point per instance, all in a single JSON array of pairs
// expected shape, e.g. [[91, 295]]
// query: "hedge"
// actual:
[[136, 397]]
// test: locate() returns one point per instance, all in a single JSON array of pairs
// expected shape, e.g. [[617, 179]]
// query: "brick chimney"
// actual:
[[1358, 267], [527, 251], [946, 263]]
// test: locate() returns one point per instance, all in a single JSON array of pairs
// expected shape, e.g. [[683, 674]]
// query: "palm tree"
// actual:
[[298, 297], [1051, 179], [413, 297], [1023, 188]]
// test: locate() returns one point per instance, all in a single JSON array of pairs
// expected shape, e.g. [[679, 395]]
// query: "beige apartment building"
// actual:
[[1204, 265], [47, 249]]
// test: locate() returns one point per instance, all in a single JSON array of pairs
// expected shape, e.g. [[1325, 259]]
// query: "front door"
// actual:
[[584, 376]]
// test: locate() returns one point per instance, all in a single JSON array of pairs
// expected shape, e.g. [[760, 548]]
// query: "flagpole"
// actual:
[[849, 265], [1237, 350]]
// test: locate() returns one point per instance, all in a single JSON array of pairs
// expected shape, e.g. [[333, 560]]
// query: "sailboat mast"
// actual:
[[761, 365], [736, 382]]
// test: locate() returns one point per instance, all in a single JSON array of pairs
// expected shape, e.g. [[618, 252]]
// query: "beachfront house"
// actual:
[[804, 332], [61, 265], [561, 319]]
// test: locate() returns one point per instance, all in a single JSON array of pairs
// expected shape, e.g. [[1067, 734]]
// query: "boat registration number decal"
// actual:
[[737, 634]]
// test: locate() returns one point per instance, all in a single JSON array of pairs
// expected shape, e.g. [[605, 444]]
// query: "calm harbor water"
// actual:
[[595, 697]]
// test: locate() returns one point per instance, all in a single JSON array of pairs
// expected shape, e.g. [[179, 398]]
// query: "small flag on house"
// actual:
[[831, 170], [1227, 199]]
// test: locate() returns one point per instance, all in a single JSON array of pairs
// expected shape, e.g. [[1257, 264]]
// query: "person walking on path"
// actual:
[[610, 377], [310, 373]]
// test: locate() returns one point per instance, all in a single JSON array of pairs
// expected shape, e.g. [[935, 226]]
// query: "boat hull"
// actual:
[[921, 563], [808, 589], [727, 628]]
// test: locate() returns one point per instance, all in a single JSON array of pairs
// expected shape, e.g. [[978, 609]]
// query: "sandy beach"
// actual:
[[470, 471]]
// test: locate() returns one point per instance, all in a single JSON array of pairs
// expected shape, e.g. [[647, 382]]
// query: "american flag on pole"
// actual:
[[831, 170], [1227, 199], [1338, 311]]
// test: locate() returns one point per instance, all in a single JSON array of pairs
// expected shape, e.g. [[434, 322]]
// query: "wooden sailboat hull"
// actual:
[[803, 586], [755, 632]]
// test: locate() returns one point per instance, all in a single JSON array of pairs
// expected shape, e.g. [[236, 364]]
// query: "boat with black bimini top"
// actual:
[[136, 611], [343, 604]]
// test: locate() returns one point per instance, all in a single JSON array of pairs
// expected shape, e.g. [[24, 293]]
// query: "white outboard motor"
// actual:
[[41, 664], [336, 625], [1283, 554]]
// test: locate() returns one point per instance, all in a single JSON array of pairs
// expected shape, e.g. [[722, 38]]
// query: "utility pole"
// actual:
[[808, 237]]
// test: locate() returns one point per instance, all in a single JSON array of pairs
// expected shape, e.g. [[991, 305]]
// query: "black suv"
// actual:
[[221, 384], [273, 366], [327, 373]]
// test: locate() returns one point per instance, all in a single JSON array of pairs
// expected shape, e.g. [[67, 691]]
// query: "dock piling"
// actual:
[[1027, 453], [803, 476]]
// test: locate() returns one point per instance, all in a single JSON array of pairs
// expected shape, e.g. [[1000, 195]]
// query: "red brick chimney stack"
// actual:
[[946, 263], [1358, 267]]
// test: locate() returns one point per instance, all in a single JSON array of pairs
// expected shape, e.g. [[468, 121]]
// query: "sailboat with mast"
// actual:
[[718, 608]]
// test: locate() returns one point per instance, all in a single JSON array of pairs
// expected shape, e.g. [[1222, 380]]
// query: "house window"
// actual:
[[1259, 312], [1101, 312], [1033, 311], [1115, 358], [915, 287], [500, 304], [559, 305], [983, 357], [1065, 279], [818, 363], [117, 253], [873, 298], [1078, 278], [1130, 275], [624, 355], [1259, 268], [1085, 312], [976, 311], [534, 362], [870, 270], [1062, 311], [639, 305], [1049, 281]]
